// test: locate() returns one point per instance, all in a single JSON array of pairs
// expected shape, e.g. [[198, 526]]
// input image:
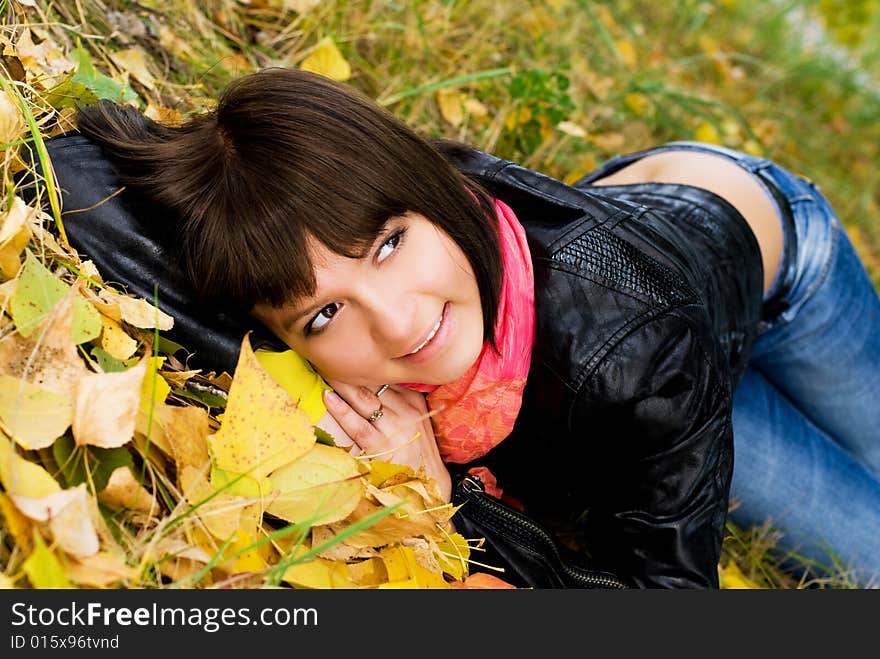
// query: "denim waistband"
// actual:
[[786, 190]]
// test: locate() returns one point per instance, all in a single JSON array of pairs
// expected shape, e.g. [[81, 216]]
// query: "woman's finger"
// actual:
[[361, 431]]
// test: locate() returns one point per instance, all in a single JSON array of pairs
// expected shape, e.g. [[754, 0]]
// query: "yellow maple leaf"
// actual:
[[261, 430], [404, 571], [327, 60]]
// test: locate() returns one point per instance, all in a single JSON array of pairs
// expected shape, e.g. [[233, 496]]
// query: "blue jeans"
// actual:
[[806, 413]]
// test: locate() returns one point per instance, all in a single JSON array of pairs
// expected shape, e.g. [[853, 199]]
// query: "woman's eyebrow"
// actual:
[[293, 319]]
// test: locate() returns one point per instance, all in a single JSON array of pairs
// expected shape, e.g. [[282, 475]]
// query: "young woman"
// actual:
[[579, 360]]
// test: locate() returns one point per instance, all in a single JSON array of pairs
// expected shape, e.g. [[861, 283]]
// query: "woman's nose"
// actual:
[[394, 323]]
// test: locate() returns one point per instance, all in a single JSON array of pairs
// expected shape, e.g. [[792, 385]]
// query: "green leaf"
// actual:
[[109, 363], [86, 323], [37, 292], [89, 462], [97, 83]]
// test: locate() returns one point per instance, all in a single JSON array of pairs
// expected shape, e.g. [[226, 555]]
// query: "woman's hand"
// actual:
[[401, 434]]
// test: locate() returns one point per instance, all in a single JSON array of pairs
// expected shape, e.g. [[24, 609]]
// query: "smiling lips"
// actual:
[[431, 334]]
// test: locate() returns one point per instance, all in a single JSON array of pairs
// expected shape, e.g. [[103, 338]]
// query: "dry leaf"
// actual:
[[320, 487], [101, 571], [56, 365], [115, 340], [131, 60], [15, 232], [261, 429], [67, 512], [451, 105], [107, 406], [21, 477], [34, 418], [123, 491], [327, 60], [134, 311]]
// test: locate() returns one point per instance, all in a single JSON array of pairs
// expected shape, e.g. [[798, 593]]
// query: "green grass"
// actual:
[[559, 86]]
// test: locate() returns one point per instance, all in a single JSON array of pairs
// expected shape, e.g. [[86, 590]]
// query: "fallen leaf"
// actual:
[[451, 104], [52, 362], [34, 417], [21, 477], [102, 570], [43, 568], [115, 340], [319, 487], [134, 311], [37, 294], [261, 429], [131, 60], [67, 512], [123, 491], [107, 406], [327, 60], [15, 232]]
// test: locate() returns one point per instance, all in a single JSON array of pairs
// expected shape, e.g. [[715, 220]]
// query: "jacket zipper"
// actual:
[[474, 487]]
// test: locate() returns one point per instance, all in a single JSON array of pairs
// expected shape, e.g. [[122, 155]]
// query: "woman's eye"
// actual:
[[322, 318], [390, 245]]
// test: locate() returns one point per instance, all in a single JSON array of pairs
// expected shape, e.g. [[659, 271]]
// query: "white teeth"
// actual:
[[430, 336]]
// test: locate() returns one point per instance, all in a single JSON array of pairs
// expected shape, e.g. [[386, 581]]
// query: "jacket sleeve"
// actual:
[[658, 408]]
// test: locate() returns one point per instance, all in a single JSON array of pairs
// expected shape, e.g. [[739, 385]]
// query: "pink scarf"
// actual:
[[478, 410]]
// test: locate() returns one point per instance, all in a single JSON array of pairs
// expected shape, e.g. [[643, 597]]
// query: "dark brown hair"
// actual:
[[289, 154]]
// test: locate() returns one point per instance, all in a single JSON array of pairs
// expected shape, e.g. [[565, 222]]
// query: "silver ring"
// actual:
[[381, 390], [375, 416]]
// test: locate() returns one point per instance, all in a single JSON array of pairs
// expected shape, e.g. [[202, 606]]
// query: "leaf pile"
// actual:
[[120, 468]]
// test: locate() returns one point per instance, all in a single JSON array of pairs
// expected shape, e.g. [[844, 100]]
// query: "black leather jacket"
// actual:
[[647, 301]]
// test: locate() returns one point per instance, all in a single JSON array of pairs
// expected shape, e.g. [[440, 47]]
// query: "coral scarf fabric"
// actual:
[[478, 410]]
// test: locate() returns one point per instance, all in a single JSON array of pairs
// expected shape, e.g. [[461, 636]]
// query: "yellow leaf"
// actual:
[[17, 524], [453, 556], [451, 105], [318, 573], [706, 132], [15, 233], [115, 340], [637, 103], [67, 512], [627, 52], [11, 119], [53, 360], [326, 60], [22, 477], [134, 311], [34, 417], [107, 406], [319, 487], [101, 571], [368, 572], [221, 513], [381, 471], [132, 61], [571, 128], [731, 577], [404, 570], [43, 568], [262, 428], [186, 431]]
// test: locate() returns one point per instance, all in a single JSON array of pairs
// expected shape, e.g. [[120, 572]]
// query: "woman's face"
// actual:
[[409, 311]]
